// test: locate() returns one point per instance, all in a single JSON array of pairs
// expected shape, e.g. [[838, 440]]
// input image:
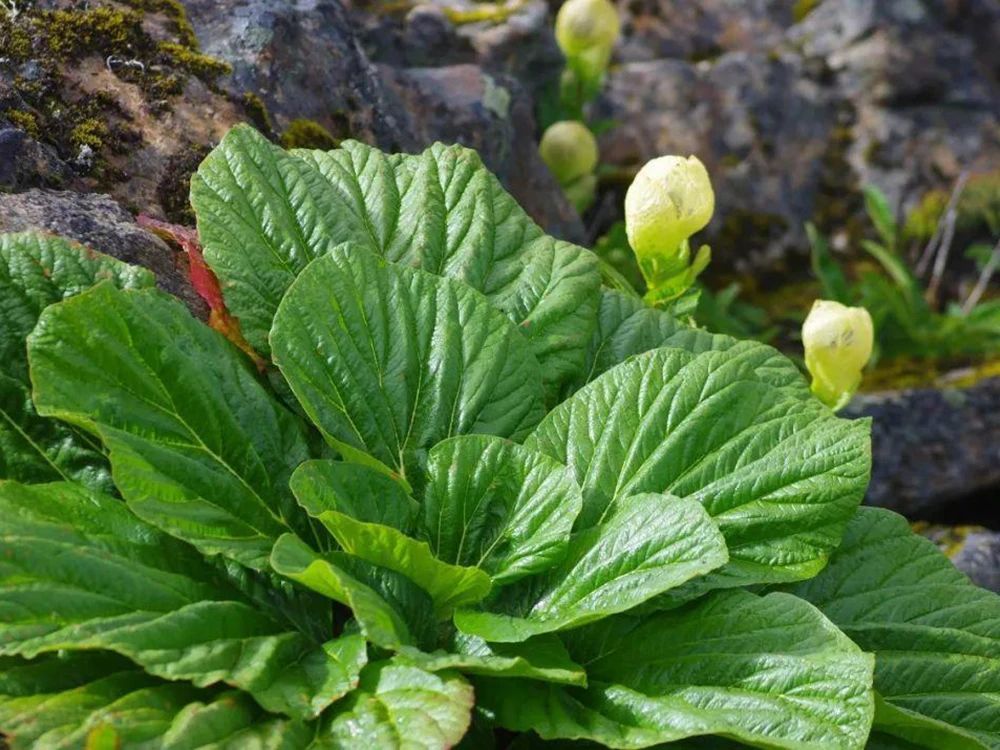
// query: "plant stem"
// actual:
[[951, 208], [950, 217], [984, 279]]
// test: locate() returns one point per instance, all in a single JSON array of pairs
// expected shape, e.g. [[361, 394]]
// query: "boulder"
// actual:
[[101, 224], [795, 106], [935, 453]]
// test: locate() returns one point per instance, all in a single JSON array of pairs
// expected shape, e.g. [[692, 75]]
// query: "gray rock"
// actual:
[[793, 117], [522, 45], [100, 223], [492, 114], [934, 450], [26, 163], [303, 60], [979, 558], [759, 124]]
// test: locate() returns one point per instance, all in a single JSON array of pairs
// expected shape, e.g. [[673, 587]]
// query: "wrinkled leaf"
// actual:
[[779, 474], [37, 270], [769, 671], [650, 545], [79, 571], [496, 505], [402, 706], [935, 636], [198, 447], [541, 658], [387, 360], [263, 214]]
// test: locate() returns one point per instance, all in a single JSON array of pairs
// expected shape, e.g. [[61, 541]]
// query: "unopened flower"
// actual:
[[838, 343], [583, 25], [569, 150], [670, 199]]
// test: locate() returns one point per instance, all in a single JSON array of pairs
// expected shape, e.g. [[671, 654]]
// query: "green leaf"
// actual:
[[779, 473], [540, 658], [935, 636], [401, 706], [37, 270], [263, 214], [67, 701], [198, 447], [377, 607], [78, 571], [651, 544], [626, 327], [496, 505], [388, 361], [449, 586], [768, 671], [371, 517], [877, 206], [37, 449], [826, 269], [354, 490]]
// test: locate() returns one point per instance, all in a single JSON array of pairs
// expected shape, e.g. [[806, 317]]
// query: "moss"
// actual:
[[839, 201], [54, 41], [193, 62], [91, 132], [921, 222], [803, 8], [175, 11], [304, 133], [174, 188], [257, 114], [24, 120]]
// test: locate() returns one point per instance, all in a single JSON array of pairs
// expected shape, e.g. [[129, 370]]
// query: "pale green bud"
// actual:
[[838, 343], [569, 150], [586, 24], [669, 200]]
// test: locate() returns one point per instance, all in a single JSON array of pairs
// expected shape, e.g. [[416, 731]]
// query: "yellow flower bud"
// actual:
[[569, 150], [670, 199], [838, 344], [586, 24]]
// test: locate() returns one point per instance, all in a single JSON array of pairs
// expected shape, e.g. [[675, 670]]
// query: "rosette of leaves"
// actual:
[[473, 492]]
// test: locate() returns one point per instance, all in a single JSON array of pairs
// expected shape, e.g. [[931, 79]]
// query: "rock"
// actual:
[[763, 129], [26, 163], [273, 49], [492, 114], [793, 115], [103, 225], [935, 451], [302, 60], [522, 45], [974, 550]]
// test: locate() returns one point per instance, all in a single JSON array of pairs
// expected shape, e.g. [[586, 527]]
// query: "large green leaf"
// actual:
[[626, 326], [66, 702], [354, 490], [263, 214], [780, 474], [37, 270], [541, 658], [198, 447], [390, 613], [496, 505], [935, 636], [389, 361], [651, 544], [769, 671], [401, 706], [448, 585], [79, 571]]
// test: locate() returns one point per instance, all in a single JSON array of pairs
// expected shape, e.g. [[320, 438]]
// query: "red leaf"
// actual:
[[204, 281]]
